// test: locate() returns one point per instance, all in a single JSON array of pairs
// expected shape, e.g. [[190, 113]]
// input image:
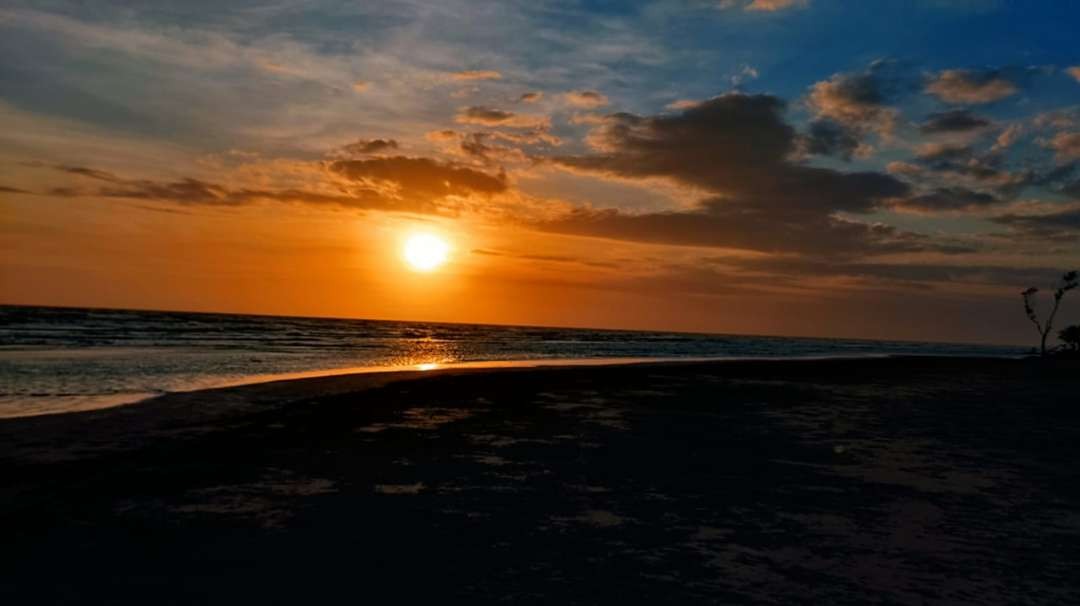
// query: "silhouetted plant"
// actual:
[[1069, 281], [1070, 336]]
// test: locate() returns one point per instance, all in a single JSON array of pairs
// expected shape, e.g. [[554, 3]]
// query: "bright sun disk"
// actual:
[[425, 252]]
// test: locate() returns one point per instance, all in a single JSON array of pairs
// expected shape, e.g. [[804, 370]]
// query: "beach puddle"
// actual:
[[593, 518], [427, 418], [493, 460], [267, 502], [422, 418], [499, 441], [399, 489]]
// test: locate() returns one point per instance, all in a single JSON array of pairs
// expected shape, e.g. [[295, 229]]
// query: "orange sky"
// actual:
[[341, 264]]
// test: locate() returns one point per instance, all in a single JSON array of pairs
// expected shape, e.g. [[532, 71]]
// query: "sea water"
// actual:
[[66, 359]]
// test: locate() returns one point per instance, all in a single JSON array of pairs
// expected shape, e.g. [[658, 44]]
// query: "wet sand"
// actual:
[[892, 481]]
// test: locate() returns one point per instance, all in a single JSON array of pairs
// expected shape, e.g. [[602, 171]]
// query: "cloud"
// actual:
[[1063, 226], [746, 72], [828, 138], [544, 258], [91, 173], [531, 97], [200, 192], [441, 136], [481, 146], [1058, 119], [959, 120], [970, 86], [1007, 138], [484, 115], [489, 116], [476, 74], [959, 164], [715, 225], [1066, 146], [771, 6], [946, 199], [370, 146], [1074, 71], [903, 272], [680, 104], [385, 183], [737, 148], [856, 100], [587, 99], [360, 86], [486, 145], [420, 177], [1071, 189]]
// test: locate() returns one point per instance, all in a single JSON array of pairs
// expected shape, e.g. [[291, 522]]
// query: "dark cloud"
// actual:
[[481, 146], [1072, 189], [198, 192], [89, 172], [385, 183], [545, 258], [363, 147], [738, 148], [716, 226], [420, 177], [947, 199], [484, 115], [1063, 178], [531, 97], [1061, 226], [828, 138], [901, 272], [971, 87], [494, 147], [952, 164], [4, 189], [489, 116], [65, 192], [960, 120]]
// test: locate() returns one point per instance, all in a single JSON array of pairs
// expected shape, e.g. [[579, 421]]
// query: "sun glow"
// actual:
[[425, 252]]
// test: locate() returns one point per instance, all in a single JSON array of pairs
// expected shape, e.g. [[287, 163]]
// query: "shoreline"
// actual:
[[125, 427], [93, 403]]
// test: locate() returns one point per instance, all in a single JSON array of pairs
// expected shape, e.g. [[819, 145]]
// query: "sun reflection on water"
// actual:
[[427, 353]]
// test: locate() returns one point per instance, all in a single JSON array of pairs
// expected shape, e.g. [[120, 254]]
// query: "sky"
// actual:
[[893, 169]]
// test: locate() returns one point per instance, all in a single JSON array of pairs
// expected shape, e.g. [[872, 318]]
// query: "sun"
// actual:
[[425, 252]]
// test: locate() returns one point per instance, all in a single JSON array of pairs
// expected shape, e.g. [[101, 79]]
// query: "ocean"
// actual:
[[66, 359]]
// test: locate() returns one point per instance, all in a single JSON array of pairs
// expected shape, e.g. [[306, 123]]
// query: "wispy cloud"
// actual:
[[588, 99], [970, 86], [477, 74], [490, 116]]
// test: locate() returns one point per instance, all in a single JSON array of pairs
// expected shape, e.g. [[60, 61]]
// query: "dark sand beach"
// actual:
[[889, 481]]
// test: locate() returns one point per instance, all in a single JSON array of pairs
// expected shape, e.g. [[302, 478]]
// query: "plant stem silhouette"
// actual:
[[1069, 281]]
